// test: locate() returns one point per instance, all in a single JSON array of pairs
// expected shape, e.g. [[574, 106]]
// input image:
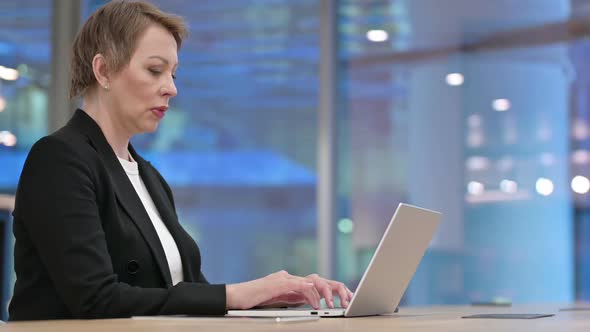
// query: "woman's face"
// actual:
[[140, 92]]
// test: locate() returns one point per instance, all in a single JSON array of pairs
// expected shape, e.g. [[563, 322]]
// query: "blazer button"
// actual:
[[132, 267]]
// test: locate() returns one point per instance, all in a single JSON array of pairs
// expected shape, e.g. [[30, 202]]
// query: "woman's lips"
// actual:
[[159, 112]]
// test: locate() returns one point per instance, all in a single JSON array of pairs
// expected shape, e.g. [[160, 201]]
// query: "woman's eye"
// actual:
[[155, 72], [173, 76]]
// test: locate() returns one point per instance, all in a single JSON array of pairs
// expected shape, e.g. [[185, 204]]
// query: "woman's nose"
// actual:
[[169, 89]]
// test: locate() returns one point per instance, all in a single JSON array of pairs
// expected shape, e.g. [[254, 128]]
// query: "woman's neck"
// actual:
[[116, 136]]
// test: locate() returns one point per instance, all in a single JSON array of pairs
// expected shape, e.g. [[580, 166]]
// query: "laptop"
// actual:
[[386, 278]]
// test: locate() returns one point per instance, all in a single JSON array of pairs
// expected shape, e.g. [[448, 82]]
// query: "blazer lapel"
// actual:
[[125, 191], [166, 210]]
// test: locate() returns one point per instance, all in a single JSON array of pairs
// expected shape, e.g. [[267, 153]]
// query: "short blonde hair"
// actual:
[[113, 30]]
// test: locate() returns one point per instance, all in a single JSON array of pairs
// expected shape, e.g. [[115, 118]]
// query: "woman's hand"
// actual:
[[329, 288], [283, 289]]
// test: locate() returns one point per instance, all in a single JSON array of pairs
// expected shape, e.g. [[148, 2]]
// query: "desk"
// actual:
[[440, 319]]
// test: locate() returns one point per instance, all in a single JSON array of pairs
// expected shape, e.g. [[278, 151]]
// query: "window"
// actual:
[[452, 107]]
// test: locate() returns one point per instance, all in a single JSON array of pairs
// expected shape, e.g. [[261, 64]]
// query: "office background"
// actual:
[[300, 125]]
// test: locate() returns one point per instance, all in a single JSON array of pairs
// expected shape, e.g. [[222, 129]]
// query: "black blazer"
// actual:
[[85, 246]]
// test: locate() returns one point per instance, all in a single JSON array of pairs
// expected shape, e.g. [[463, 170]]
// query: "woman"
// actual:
[[96, 230]]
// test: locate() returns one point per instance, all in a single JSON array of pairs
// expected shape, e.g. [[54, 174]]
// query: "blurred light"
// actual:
[[500, 300], [505, 164], [455, 79], [474, 121], [398, 9], [547, 159], [23, 69], [7, 138], [477, 163], [580, 184], [475, 188], [345, 226], [403, 28], [510, 133], [544, 132], [377, 35], [508, 186], [580, 129], [2, 103], [8, 74], [501, 105], [544, 186], [581, 157], [475, 138]]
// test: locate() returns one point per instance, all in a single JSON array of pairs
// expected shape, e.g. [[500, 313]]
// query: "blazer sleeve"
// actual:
[[58, 206]]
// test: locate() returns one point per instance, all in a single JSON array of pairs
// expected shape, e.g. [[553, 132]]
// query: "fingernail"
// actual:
[[331, 304]]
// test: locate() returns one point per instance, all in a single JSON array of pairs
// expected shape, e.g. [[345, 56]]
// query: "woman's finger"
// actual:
[[340, 289], [317, 287], [308, 290], [324, 288]]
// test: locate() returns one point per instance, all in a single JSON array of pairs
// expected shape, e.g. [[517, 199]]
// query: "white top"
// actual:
[[168, 243]]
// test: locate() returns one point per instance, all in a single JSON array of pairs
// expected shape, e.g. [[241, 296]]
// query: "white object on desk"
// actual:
[[295, 319]]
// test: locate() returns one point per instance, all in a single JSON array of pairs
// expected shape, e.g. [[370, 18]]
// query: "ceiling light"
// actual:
[[544, 186], [455, 79], [580, 184], [501, 105], [8, 74], [377, 35]]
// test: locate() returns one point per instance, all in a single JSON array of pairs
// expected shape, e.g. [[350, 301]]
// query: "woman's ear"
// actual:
[[101, 71]]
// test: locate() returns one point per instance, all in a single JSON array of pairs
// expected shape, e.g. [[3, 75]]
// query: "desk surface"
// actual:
[[440, 319]]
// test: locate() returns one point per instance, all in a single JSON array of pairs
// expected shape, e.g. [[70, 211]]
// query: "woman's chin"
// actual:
[[149, 128]]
